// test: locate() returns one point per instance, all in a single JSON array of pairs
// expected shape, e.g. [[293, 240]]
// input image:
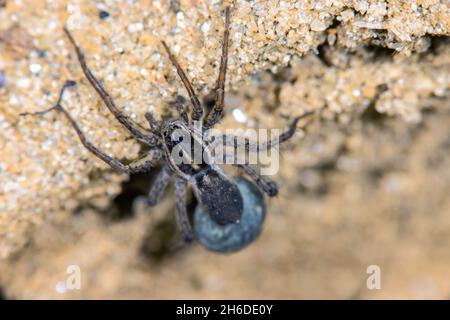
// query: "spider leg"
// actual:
[[151, 121], [180, 105], [217, 112], [253, 146], [267, 185], [180, 190], [197, 111], [148, 161], [133, 128], [113, 163], [158, 187]]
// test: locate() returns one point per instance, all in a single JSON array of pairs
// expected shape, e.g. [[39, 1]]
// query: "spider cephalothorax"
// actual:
[[218, 194]]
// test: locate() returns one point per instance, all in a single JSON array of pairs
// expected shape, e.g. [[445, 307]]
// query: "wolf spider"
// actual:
[[217, 193]]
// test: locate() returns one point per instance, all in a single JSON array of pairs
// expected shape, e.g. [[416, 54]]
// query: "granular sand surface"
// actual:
[[365, 183]]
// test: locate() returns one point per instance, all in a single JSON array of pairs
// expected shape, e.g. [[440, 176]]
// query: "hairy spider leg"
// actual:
[[150, 138], [113, 163], [158, 187], [197, 111], [217, 112], [152, 121], [180, 190], [252, 146], [267, 185]]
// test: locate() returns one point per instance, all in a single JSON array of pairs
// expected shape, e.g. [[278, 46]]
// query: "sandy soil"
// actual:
[[365, 183]]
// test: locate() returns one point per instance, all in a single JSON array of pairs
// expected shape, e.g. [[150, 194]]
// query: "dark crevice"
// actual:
[[436, 44], [138, 185], [336, 22], [121, 207], [324, 48], [379, 52], [322, 55], [377, 47], [370, 114], [164, 240]]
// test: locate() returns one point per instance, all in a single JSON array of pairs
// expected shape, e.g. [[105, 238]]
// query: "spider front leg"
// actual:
[[135, 129], [254, 146], [267, 185], [113, 163], [197, 111], [217, 112], [180, 190], [158, 187]]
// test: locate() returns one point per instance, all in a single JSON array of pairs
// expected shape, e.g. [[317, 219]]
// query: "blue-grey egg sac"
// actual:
[[235, 236]]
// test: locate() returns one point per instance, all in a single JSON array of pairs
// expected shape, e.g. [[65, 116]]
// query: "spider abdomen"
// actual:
[[233, 237], [218, 195]]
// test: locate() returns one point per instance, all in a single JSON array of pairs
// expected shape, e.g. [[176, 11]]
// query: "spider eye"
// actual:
[[177, 139]]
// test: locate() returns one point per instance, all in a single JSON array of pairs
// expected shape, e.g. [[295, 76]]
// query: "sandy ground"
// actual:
[[366, 183]]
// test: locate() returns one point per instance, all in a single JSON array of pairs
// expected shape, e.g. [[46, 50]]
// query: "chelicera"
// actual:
[[216, 192]]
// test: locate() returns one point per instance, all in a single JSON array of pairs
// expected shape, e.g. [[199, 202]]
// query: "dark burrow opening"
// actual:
[[136, 186], [162, 241], [165, 240]]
